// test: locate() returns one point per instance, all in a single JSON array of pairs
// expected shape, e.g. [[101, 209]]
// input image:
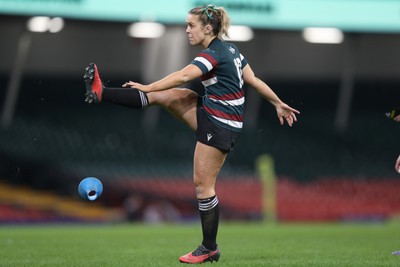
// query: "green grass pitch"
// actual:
[[241, 244]]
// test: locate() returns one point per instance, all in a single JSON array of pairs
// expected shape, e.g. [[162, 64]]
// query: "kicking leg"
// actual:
[[181, 103]]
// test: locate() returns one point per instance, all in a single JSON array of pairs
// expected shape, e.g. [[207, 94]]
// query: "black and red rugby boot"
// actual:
[[93, 84]]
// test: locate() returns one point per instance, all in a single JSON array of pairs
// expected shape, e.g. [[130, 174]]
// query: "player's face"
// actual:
[[195, 30]]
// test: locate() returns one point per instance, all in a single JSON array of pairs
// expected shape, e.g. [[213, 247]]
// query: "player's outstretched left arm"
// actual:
[[283, 111], [175, 79]]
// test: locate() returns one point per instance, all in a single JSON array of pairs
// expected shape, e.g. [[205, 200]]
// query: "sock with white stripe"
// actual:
[[209, 215], [129, 97]]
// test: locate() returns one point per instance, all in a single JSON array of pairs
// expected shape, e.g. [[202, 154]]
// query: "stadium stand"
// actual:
[[55, 140], [24, 205]]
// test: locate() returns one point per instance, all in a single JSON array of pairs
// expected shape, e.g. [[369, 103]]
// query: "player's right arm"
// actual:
[[284, 111], [261, 87]]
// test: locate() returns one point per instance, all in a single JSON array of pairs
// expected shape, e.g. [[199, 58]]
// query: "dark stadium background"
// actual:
[[55, 139]]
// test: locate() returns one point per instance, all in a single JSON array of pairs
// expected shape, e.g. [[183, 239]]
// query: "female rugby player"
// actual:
[[217, 117]]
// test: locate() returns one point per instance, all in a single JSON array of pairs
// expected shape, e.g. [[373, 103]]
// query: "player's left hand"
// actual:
[[286, 113], [139, 86]]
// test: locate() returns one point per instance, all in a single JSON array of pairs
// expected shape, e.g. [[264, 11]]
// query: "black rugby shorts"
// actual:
[[211, 134]]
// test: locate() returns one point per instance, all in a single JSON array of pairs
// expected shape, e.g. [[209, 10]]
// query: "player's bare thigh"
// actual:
[[180, 102], [208, 162]]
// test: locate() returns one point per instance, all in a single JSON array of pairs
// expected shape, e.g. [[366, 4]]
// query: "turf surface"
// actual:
[[161, 245]]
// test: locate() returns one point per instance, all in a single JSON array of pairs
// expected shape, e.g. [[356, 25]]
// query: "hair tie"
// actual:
[[204, 10]]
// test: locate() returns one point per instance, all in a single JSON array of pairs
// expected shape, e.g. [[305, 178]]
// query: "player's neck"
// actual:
[[207, 41]]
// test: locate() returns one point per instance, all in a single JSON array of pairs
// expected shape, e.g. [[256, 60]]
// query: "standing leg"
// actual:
[[208, 162]]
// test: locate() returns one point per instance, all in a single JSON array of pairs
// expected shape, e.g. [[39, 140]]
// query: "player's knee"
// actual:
[[203, 190]]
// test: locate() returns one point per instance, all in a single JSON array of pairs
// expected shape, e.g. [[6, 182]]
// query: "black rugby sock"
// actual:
[[209, 214], [129, 97]]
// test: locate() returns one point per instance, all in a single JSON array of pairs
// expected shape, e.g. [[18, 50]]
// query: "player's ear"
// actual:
[[208, 29]]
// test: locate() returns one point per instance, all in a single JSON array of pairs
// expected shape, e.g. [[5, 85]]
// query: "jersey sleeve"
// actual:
[[244, 61], [205, 61]]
